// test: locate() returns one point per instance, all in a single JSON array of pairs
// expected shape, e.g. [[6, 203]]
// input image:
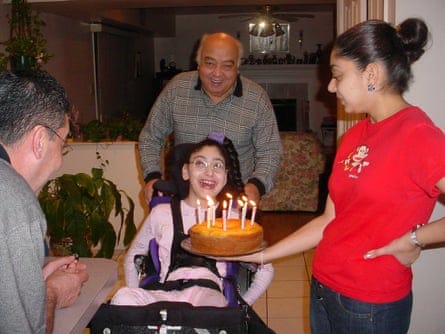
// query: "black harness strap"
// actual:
[[179, 257], [182, 284]]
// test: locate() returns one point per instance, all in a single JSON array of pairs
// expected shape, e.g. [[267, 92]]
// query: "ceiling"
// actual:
[[94, 9]]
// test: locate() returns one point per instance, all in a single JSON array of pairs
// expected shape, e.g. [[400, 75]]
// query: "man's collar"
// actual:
[[4, 155], [238, 91]]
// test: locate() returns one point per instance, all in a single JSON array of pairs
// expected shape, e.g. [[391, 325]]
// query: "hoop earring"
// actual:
[[371, 88]]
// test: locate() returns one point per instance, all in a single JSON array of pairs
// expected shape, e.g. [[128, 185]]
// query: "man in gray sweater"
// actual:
[[33, 127], [215, 98]]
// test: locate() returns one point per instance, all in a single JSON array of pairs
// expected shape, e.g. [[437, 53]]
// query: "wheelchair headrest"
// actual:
[[176, 185]]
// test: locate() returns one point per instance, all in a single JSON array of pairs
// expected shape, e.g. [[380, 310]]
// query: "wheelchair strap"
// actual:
[[180, 257], [182, 284]]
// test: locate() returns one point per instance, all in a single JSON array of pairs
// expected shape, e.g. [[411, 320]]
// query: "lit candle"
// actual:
[[240, 206], [243, 216], [198, 211], [230, 197], [243, 212], [209, 211], [214, 214], [224, 215], [252, 218]]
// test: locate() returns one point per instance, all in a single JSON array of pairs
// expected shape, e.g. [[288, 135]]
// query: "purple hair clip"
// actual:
[[217, 136]]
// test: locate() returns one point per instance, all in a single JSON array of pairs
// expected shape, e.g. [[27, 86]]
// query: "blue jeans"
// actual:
[[331, 312]]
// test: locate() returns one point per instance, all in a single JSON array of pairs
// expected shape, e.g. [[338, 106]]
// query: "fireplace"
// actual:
[[285, 113], [293, 91]]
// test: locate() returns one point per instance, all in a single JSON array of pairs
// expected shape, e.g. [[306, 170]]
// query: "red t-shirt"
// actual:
[[382, 184]]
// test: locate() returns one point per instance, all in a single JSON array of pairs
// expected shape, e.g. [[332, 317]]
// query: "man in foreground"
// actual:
[[33, 128]]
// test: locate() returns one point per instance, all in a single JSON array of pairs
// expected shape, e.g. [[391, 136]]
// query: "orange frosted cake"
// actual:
[[213, 240]]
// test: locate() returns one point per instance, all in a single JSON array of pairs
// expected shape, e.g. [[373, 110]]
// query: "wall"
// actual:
[[426, 91], [189, 29]]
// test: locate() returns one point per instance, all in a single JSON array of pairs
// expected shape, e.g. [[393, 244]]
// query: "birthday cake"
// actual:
[[212, 239]]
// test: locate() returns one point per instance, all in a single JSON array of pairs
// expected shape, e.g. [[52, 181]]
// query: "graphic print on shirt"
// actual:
[[356, 161]]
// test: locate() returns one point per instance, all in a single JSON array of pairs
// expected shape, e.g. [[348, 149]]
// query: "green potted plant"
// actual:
[[26, 46], [124, 127], [78, 210]]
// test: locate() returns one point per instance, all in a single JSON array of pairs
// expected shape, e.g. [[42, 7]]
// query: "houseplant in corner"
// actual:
[[26, 46], [78, 209]]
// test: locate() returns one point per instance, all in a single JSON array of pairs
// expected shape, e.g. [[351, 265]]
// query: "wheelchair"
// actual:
[[179, 317]]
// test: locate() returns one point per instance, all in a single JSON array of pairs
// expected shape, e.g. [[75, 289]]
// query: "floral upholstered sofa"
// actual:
[[297, 181]]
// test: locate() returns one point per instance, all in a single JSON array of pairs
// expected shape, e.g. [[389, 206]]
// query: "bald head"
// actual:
[[220, 40]]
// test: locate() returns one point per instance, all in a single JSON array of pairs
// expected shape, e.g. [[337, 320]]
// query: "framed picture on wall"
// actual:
[[272, 43]]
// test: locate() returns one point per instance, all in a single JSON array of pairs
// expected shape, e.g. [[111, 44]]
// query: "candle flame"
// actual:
[[244, 198], [229, 195], [252, 203], [209, 201]]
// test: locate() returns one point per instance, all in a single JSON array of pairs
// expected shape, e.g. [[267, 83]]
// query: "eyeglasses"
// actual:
[[201, 164], [66, 147]]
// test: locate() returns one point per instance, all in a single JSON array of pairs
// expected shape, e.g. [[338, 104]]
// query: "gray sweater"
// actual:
[[22, 228]]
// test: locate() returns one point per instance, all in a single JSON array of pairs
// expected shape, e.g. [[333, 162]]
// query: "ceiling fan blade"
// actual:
[[286, 17], [309, 16], [230, 16]]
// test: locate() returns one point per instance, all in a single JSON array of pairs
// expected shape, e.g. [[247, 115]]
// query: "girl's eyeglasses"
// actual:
[[201, 164]]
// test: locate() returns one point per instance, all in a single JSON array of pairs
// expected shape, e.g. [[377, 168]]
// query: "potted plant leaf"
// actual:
[[123, 127], [78, 210], [26, 46]]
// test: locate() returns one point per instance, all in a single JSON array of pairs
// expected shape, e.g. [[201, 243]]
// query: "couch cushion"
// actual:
[[297, 181]]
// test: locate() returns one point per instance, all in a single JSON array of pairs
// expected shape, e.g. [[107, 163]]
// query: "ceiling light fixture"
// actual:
[[266, 28]]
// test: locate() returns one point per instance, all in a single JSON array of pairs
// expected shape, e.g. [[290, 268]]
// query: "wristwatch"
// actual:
[[413, 236]]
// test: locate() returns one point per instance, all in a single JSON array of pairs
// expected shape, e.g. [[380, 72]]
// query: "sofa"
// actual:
[[297, 181]]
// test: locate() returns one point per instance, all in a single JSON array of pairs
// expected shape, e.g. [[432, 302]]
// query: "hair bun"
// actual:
[[414, 35]]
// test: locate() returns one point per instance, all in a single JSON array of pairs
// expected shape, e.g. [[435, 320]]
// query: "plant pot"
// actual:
[[21, 62]]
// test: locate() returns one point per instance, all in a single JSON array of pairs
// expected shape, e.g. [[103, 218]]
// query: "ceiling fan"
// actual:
[[269, 12], [267, 21]]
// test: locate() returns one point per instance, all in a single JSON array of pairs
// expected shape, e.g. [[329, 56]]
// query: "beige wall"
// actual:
[[426, 91]]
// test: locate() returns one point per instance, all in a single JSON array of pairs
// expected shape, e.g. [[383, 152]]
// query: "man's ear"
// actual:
[[39, 139]]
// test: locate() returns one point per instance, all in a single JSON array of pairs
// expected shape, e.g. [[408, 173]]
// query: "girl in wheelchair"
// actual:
[[208, 169]]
